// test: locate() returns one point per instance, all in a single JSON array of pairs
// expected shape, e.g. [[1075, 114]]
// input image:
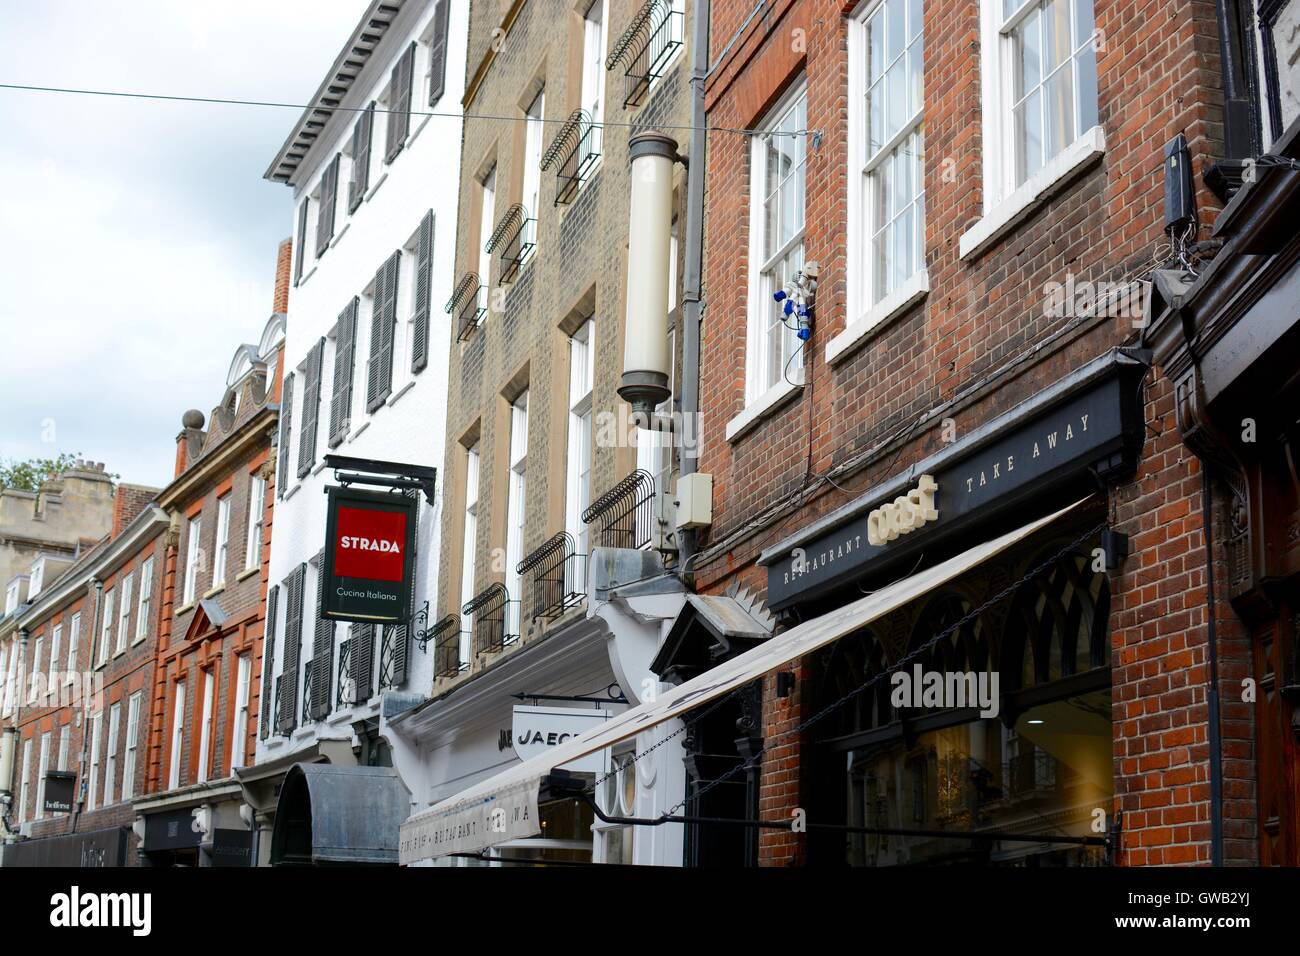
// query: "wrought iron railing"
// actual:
[[344, 696], [446, 647], [646, 47], [573, 154], [306, 693], [394, 649], [487, 610], [466, 305], [512, 240], [275, 722], [624, 516], [550, 576]]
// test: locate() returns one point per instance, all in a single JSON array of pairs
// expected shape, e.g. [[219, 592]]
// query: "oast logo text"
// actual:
[[77, 909]]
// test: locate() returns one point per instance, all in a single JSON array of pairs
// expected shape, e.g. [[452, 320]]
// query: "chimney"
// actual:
[[283, 264], [189, 439], [129, 501]]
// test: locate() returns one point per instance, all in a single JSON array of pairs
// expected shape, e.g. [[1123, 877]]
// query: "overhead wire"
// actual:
[[275, 104]]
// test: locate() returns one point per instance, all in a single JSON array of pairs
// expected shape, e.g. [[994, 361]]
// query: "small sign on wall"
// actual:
[[59, 787], [535, 729], [369, 549]]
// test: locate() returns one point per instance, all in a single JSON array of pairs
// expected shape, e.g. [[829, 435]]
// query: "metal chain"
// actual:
[[906, 659]]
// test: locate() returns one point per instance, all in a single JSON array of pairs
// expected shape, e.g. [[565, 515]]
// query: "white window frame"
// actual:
[[1006, 202], [221, 550], [256, 521], [126, 588], [239, 727], [487, 211], [469, 549], [145, 601], [578, 464], [96, 741], [193, 532], [178, 736], [205, 728], [42, 768], [595, 47], [110, 756], [132, 744], [534, 134], [25, 780], [38, 650], [65, 744], [56, 645], [516, 509], [107, 616], [74, 638], [761, 305], [868, 303]]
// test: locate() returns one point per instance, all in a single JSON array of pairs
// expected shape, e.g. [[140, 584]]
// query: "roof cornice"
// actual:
[[342, 74], [216, 464]]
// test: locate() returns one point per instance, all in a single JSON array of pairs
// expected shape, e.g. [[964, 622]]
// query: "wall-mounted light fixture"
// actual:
[[646, 362]]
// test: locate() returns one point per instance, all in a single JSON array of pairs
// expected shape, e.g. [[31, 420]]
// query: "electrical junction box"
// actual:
[[694, 501]]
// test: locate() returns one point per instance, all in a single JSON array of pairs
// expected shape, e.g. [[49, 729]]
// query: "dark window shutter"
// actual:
[[423, 272], [398, 639], [438, 53], [344, 361], [379, 383], [322, 654], [375, 393], [310, 409], [329, 189], [268, 662], [292, 651], [286, 431], [399, 104], [302, 241], [361, 136], [363, 660]]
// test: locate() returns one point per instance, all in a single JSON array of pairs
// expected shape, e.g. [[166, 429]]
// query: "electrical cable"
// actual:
[[225, 101]]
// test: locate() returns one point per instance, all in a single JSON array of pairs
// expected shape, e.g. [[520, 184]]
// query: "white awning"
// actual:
[[505, 806]]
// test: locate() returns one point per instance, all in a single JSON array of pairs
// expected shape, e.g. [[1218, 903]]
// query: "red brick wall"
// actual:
[[1158, 76], [128, 502]]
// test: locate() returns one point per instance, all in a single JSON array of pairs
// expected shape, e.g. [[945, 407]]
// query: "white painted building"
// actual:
[[375, 187]]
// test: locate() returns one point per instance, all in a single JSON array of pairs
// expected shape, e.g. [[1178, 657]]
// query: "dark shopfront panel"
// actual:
[[1042, 767], [923, 780], [95, 848]]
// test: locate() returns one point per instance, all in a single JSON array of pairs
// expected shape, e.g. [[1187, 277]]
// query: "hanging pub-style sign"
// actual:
[[369, 556]]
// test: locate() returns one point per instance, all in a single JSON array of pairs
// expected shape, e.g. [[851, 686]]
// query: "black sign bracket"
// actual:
[[384, 474]]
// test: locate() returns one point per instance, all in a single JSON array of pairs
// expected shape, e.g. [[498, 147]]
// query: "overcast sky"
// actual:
[[137, 237]]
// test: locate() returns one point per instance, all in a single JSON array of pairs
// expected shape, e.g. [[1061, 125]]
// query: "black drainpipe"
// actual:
[[693, 265], [1212, 700]]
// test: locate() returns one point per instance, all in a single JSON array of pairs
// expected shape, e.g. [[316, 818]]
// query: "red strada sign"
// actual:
[[369, 556], [370, 544]]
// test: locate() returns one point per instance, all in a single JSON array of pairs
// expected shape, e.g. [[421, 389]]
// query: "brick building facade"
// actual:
[[86, 645], [204, 700], [926, 349]]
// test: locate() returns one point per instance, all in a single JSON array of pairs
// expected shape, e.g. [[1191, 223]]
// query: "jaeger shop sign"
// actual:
[[1088, 429], [369, 548]]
